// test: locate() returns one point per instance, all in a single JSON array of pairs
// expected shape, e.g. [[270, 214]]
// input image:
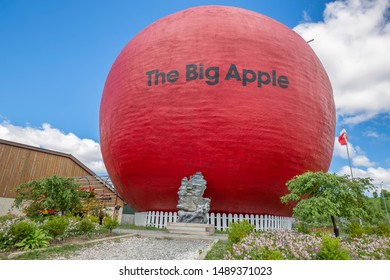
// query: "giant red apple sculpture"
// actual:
[[221, 90]]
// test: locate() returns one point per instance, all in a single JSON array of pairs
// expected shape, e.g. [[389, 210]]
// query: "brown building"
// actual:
[[21, 163]]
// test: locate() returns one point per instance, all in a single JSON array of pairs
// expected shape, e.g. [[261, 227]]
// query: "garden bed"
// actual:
[[292, 245]]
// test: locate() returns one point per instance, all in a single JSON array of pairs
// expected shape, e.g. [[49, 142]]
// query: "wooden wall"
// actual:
[[107, 197], [21, 163]]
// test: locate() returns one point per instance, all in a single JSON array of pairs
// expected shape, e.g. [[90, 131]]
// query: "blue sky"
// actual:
[[55, 57]]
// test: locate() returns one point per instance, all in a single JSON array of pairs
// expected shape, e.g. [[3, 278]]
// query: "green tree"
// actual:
[[319, 194], [385, 193], [49, 194]]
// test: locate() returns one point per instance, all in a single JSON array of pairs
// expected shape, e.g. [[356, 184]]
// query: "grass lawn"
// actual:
[[57, 248], [50, 252], [218, 251]]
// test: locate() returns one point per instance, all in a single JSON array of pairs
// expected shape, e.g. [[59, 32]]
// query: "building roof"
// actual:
[[47, 151]]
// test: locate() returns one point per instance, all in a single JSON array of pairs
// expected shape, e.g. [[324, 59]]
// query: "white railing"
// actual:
[[160, 219]]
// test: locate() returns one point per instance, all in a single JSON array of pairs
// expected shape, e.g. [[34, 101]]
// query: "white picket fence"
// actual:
[[222, 221]]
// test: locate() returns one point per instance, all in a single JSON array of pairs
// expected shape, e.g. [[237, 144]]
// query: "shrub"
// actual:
[[55, 193], [21, 230], [4, 239], [297, 246], [110, 223], [7, 218], [266, 254], [56, 226], [302, 228], [331, 250], [33, 210], [72, 229], [78, 226], [94, 219], [319, 232], [36, 239], [354, 229], [273, 255], [86, 226], [382, 230], [238, 231]]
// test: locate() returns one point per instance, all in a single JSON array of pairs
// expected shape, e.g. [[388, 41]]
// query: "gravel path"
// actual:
[[142, 248]]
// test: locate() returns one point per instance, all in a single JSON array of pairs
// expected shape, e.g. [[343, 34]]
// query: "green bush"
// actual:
[[49, 195], [331, 250], [238, 231], [355, 230], [265, 254], [110, 223], [387, 251], [79, 226], [56, 226], [33, 210], [94, 219], [36, 239], [302, 228], [382, 229], [4, 240], [86, 226], [21, 230]]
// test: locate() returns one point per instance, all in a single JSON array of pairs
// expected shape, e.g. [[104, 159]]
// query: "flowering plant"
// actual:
[[291, 245]]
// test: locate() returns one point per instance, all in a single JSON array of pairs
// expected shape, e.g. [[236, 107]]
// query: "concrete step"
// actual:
[[188, 228]]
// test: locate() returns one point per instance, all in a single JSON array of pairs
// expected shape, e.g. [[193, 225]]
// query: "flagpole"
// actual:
[[343, 139], [385, 202], [349, 160]]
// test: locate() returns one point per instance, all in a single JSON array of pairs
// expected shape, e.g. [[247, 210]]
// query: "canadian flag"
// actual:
[[343, 138]]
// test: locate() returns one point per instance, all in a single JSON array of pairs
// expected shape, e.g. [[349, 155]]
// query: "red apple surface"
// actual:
[[225, 91]]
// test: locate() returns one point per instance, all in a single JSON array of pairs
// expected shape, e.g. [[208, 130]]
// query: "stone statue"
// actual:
[[193, 208]]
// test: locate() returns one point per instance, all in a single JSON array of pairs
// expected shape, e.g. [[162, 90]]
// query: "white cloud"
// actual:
[[85, 150], [306, 16], [379, 175], [372, 134], [356, 154], [362, 166], [376, 135], [353, 43], [362, 160]]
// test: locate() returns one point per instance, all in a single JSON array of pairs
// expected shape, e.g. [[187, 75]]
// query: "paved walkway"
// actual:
[[148, 245], [145, 245], [165, 234]]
